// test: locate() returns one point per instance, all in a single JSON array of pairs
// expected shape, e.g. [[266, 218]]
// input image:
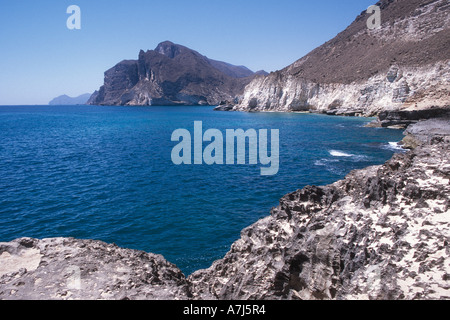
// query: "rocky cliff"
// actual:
[[404, 64], [172, 75], [381, 233]]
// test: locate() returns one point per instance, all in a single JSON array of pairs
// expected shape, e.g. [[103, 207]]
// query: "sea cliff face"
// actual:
[[171, 75], [381, 233], [404, 64], [399, 88]]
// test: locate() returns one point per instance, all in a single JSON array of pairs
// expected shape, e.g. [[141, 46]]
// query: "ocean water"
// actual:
[[106, 173]]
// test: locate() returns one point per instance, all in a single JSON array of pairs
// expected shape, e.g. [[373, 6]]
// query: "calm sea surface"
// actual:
[[106, 173]]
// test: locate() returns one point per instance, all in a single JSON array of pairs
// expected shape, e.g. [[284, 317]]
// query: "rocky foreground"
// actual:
[[381, 233], [66, 268]]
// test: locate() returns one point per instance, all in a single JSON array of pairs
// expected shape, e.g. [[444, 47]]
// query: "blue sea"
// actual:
[[106, 173]]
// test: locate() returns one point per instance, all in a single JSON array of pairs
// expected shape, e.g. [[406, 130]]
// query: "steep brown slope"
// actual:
[[358, 53], [402, 64]]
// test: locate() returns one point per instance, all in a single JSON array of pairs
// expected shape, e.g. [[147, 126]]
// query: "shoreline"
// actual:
[[27, 262], [301, 273]]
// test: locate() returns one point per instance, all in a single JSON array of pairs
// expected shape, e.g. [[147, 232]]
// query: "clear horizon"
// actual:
[[42, 59]]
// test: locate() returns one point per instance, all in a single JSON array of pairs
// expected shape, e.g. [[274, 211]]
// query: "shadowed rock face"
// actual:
[[403, 118], [172, 75], [403, 64], [381, 233]]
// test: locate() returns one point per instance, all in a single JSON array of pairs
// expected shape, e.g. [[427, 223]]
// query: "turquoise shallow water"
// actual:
[[106, 173]]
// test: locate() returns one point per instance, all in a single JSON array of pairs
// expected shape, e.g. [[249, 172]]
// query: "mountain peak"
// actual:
[[169, 49]]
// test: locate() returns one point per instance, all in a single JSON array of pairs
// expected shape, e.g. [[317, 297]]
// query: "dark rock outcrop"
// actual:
[[389, 118], [404, 118], [427, 132], [171, 75]]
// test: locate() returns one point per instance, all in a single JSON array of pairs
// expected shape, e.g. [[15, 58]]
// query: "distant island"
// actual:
[[66, 100]]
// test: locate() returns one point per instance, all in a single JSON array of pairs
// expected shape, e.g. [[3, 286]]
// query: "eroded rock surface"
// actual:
[[382, 233], [65, 268]]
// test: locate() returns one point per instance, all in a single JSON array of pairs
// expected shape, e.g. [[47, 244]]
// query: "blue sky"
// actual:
[[40, 58]]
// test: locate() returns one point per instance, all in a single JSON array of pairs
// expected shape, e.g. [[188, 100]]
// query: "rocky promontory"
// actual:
[[381, 233], [172, 75], [65, 100]]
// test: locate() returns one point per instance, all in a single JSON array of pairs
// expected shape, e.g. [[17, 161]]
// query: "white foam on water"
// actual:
[[336, 153], [324, 162], [348, 156], [394, 146]]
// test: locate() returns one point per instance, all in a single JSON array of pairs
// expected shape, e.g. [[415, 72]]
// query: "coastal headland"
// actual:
[[381, 233]]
